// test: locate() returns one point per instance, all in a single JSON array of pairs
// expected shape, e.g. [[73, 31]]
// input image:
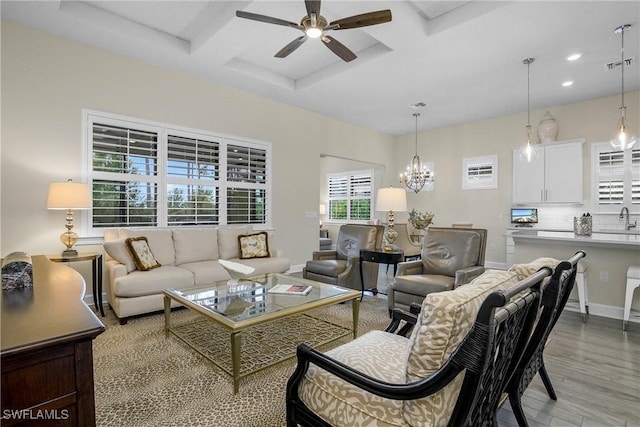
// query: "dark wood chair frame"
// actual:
[[494, 344], [554, 298]]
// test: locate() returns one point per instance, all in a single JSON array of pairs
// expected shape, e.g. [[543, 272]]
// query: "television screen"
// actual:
[[524, 216]]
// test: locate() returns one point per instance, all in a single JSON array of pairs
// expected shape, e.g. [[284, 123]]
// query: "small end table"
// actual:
[[380, 256], [96, 267]]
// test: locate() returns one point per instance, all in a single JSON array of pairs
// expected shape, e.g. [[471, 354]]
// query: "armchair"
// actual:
[[450, 371], [450, 257], [342, 266]]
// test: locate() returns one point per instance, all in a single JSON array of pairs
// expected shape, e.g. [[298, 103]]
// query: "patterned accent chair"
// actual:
[[342, 266], [451, 370], [554, 298], [450, 257]]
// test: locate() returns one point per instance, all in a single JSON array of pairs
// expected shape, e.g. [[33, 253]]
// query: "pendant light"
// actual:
[[623, 140], [416, 175], [529, 150]]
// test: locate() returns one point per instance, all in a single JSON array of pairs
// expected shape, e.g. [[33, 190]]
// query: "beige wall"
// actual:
[[593, 120], [46, 83]]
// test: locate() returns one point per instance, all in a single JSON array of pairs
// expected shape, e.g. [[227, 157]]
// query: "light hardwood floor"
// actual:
[[595, 371]]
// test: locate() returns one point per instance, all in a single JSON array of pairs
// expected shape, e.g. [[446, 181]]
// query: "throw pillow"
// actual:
[[525, 270], [117, 249], [254, 245], [141, 253]]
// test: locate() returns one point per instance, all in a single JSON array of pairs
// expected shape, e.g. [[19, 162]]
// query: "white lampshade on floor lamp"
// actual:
[[69, 196], [391, 200]]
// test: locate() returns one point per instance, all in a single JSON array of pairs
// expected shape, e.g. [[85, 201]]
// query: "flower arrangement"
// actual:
[[420, 220]]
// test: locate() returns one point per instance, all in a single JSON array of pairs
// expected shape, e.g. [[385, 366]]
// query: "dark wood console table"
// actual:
[[379, 256], [47, 355]]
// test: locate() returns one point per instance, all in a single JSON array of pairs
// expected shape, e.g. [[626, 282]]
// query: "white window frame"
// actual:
[[469, 182], [162, 179], [628, 175], [348, 176]]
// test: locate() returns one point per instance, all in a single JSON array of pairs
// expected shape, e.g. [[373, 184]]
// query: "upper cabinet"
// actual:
[[553, 176]]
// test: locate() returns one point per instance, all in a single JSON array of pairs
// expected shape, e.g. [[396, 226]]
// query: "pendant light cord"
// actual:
[[622, 28], [416, 115]]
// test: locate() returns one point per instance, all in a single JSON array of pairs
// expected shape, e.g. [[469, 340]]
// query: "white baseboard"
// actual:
[[602, 310]]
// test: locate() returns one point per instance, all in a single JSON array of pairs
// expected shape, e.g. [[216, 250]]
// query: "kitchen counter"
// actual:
[[608, 257], [619, 240]]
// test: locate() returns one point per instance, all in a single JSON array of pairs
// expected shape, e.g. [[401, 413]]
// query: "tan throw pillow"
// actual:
[[141, 253], [525, 270], [254, 245], [443, 322]]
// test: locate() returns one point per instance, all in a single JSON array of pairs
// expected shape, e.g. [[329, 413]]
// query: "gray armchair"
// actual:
[[342, 266], [450, 257]]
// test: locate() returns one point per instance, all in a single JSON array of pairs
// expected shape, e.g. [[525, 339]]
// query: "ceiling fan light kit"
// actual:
[[315, 26]]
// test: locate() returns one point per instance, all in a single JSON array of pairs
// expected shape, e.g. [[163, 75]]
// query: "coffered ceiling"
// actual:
[[463, 59]]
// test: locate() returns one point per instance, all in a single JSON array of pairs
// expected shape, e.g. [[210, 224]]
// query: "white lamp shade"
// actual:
[[322, 209], [68, 195], [391, 199]]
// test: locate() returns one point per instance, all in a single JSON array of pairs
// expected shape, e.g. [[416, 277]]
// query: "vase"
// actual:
[[548, 128]]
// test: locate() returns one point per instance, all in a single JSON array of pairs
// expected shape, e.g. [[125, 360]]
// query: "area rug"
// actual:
[[144, 379]]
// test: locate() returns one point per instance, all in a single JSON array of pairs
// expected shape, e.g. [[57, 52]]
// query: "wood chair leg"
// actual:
[[516, 407], [547, 382]]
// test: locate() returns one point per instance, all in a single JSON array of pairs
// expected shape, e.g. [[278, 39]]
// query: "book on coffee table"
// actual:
[[291, 289]]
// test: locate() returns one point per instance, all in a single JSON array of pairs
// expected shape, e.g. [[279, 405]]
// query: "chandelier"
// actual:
[[624, 139], [416, 175], [529, 150]]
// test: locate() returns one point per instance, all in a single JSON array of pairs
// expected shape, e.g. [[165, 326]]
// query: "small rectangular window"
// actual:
[[480, 173], [350, 196]]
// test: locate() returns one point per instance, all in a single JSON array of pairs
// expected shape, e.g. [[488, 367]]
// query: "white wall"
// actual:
[[47, 81]]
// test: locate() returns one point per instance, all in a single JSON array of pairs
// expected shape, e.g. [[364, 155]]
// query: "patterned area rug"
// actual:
[[145, 379]]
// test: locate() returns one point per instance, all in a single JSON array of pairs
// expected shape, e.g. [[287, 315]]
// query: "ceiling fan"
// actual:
[[314, 26]]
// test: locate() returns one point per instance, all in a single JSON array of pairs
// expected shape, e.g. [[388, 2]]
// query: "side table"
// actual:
[[96, 267], [379, 256]]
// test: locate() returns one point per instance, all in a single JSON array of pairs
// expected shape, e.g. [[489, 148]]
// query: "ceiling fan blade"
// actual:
[[339, 49], [285, 51], [313, 6], [364, 20], [266, 19]]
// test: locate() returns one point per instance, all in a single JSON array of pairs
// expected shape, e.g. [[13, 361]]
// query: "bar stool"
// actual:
[[583, 292], [633, 281]]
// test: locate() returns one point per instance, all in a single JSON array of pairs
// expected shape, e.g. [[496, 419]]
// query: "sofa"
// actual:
[[184, 257]]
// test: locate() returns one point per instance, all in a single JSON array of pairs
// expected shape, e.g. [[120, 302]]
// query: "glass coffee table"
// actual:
[[239, 306]]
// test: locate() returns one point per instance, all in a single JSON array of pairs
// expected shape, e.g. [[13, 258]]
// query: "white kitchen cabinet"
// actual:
[[554, 176]]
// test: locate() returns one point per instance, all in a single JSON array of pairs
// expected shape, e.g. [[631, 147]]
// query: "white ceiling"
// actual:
[[462, 58]]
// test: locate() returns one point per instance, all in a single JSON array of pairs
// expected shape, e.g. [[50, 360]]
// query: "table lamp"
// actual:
[[322, 210], [69, 196], [391, 200]]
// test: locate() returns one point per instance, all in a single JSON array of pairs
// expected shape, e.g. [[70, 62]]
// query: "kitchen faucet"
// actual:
[[627, 226]]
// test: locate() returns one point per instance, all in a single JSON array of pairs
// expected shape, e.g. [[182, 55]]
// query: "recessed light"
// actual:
[[567, 83], [574, 56]]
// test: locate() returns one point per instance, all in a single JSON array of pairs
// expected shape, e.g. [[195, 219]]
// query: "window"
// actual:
[[616, 176], [151, 174], [350, 196], [480, 173]]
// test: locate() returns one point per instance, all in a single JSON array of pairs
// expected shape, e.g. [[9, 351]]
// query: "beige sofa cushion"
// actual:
[[228, 246], [525, 270], [444, 321], [376, 353], [160, 242], [152, 282], [195, 244], [117, 249]]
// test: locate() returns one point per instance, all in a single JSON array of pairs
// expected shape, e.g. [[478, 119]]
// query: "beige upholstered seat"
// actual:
[[342, 266], [410, 248], [450, 257]]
